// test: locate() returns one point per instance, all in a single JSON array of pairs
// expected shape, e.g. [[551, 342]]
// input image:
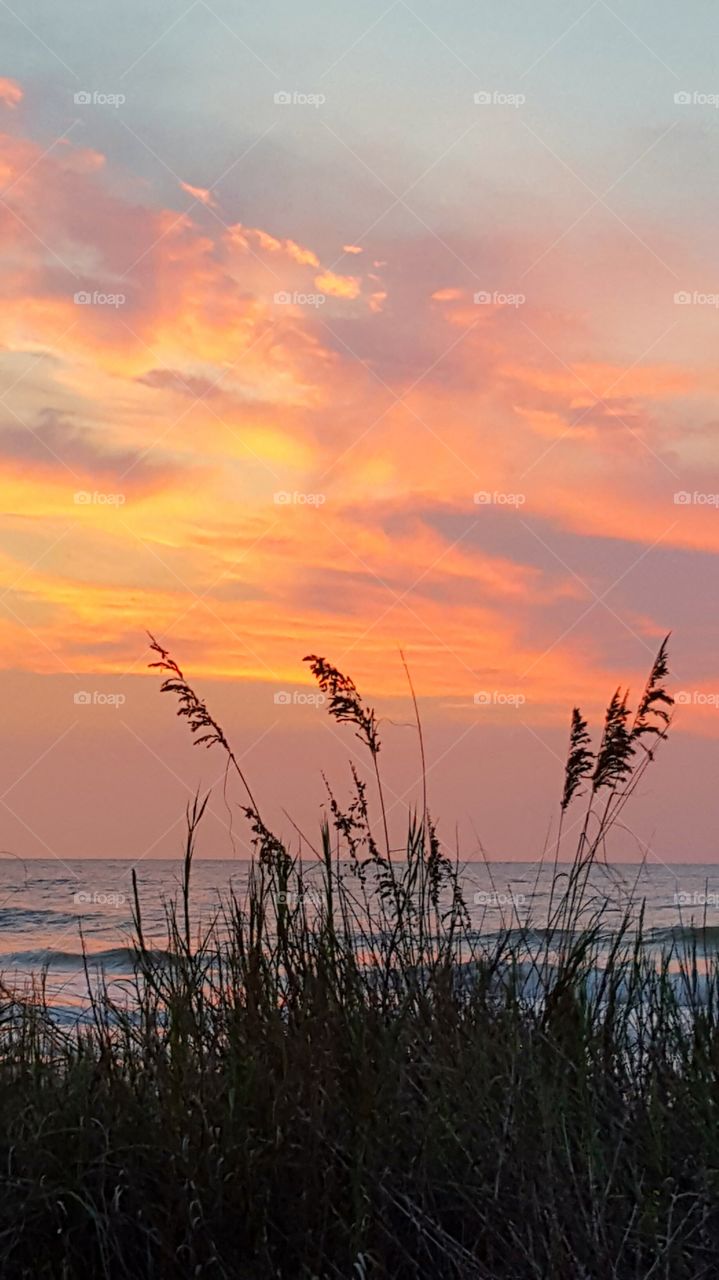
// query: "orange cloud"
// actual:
[[275, 485], [303, 257], [338, 286], [448, 295]]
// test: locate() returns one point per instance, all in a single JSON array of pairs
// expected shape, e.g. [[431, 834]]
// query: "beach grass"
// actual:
[[340, 1077]]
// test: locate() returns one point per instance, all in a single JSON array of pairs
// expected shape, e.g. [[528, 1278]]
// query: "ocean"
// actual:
[[50, 911]]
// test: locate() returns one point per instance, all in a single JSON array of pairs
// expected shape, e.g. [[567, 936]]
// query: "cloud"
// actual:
[[10, 92], [448, 295], [270, 244], [220, 382], [201, 194], [66, 452], [338, 286]]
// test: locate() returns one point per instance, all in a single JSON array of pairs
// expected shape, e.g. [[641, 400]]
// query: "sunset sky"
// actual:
[[352, 329]]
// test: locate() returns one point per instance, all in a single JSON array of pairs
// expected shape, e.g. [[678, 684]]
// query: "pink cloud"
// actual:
[[10, 92], [200, 193]]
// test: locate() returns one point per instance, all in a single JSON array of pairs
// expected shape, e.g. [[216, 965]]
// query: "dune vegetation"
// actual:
[[356, 1083]]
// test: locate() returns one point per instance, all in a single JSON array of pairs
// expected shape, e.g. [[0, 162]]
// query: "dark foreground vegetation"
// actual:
[[357, 1086]]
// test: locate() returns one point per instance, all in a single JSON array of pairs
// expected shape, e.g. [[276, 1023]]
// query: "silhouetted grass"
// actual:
[[356, 1085]]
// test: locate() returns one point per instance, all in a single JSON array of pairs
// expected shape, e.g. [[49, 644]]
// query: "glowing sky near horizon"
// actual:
[[353, 329]]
